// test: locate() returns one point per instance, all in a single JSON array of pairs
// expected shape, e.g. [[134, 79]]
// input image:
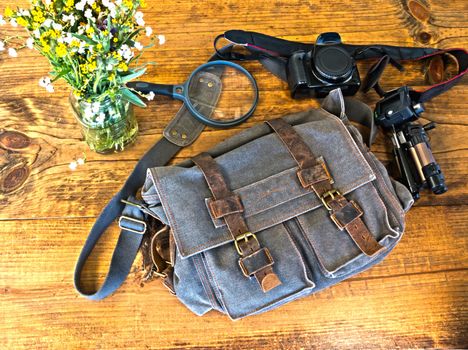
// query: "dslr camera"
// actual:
[[328, 66]]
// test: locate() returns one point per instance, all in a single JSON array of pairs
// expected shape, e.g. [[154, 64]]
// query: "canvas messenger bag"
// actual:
[[280, 211]]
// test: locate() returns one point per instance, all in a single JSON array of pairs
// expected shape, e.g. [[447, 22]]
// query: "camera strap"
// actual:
[[273, 54]]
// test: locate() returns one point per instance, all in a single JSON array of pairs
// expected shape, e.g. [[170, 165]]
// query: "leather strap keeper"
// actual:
[[346, 215], [312, 175], [225, 206], [253, 263]]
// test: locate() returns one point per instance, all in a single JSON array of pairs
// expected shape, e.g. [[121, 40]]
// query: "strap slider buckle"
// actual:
[[244, 236], [134, 230]]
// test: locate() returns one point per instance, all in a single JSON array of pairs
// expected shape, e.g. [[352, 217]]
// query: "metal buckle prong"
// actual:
[[124, 217], [332, 194], [244, 236]]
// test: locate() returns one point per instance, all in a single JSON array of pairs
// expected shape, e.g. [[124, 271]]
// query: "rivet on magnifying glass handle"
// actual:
[[210, 84], [201, 80], [174, 132], [184, 135]]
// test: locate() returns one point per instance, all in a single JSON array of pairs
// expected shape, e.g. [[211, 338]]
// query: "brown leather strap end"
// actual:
[[347, 215]]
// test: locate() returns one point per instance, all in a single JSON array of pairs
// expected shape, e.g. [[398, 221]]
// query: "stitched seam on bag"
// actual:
[[210, 273], [380, 179], [174, 226], [279, 300], [396, 205], [204, 282], [313, 245], [304, 264]]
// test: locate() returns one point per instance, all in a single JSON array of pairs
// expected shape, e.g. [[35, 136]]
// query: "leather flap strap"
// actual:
[[227, 205], [314, 174]]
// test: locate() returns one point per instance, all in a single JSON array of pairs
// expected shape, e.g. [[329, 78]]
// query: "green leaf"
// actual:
[[132, 98], [84, 38], [126, 78]]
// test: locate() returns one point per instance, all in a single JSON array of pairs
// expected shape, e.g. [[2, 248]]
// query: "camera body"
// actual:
[[327, 67]]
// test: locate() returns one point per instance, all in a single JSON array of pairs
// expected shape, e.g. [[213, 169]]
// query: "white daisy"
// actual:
[[162, 39], [24, 13], [138, 46], [50, 88], [37, 33], [88, 13], [2, 46], [149, 31], [80, 161], [69, 18], [2, 21], [80, 5], [43, 82], [12, 52], [73, 165], [30, 43], [47, 23], [150, 96], [13, 22], [139, 18]]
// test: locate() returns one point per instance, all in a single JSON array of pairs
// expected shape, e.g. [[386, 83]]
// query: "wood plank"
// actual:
[[415, 298], [84, 192]]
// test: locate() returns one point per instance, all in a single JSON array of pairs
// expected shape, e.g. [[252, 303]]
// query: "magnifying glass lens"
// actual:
[[222, 93]]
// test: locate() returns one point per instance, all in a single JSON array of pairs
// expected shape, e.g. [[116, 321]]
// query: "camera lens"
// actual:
[[333, 63]]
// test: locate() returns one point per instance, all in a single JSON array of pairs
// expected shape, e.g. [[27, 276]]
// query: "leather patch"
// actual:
[[346, 214], [225, 206]]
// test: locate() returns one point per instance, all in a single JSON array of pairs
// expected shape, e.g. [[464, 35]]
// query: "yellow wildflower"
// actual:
[[22, 22], [8, 12], [46, 48], [61, 50], [92, 66], [143, 3], [115, 40], [122, 66]]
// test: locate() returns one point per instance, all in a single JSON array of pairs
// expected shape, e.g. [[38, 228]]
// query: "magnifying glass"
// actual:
[[218, 93]]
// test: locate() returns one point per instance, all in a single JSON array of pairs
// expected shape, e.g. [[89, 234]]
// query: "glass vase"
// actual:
[[107, 126]]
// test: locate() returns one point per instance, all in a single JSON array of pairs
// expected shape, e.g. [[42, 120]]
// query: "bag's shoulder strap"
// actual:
[[131, 222]]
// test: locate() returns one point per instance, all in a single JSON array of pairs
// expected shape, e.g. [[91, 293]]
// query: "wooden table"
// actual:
[[416, 298]]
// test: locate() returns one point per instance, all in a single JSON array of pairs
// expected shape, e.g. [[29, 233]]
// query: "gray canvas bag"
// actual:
[[277, 212]]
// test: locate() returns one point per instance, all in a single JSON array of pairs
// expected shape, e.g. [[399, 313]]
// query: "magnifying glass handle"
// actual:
[[146, 88]]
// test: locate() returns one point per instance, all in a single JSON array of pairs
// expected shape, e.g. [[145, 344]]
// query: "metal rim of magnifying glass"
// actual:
[[211, 122]]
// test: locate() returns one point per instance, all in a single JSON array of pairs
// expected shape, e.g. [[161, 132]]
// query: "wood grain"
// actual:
[[416, 298]]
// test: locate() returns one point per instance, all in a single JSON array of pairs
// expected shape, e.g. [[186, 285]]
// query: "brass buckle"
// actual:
[[332, 194], [244, 236]]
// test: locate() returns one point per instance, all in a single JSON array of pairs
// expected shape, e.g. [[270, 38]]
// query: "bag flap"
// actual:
[[263, 174]]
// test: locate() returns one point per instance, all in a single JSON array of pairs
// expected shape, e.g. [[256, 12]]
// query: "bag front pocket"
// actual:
[[242, 296], [336, 251]]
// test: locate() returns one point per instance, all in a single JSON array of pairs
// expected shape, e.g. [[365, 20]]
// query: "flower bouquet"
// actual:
[[93, 45]]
